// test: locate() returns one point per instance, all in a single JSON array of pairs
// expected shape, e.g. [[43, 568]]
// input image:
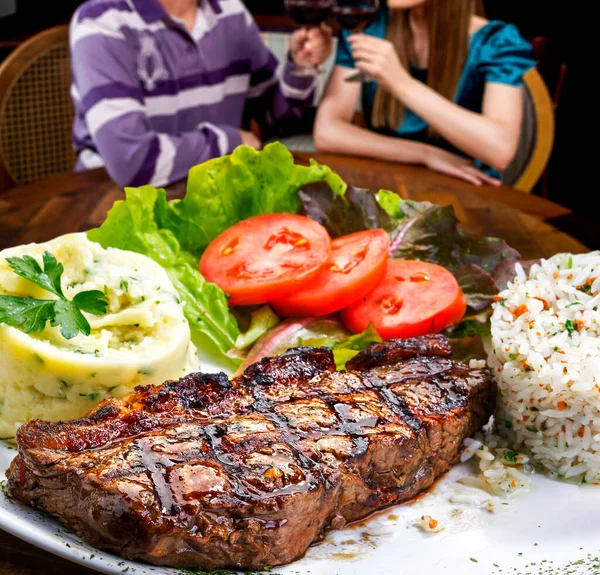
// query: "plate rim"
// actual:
[[19, 528]]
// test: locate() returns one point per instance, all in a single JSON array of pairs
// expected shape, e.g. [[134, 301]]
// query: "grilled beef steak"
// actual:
[[242, 474]]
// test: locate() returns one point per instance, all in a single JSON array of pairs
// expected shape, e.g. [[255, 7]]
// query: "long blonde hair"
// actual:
[[448, 27]]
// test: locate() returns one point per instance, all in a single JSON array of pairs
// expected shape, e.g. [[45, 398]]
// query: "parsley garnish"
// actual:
[[511, 456], [31, 314], [570, 327], [512, 356]]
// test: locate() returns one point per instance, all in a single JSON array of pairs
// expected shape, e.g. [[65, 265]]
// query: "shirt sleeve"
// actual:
[[344, 52], [281, 101], [505, 56], [108, 96]]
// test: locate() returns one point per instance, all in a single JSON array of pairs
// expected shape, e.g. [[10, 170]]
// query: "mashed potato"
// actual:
[[143, 338]]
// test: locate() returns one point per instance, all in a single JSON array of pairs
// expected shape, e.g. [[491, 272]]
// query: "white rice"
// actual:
[[500, 471], [546, 358]]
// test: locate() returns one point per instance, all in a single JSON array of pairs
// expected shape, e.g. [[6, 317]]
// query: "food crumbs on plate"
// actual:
[[474, 560], [429, 524]]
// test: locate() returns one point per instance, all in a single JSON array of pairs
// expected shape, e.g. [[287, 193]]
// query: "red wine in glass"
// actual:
[[355, 18], [356, 15], [309, 13]]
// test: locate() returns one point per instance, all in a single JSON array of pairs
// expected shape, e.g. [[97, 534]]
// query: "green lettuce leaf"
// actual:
[[259, 323], [346, 349], [224, 191], [131, 225], [220, 193], [391, 203], [315, 332], [399, 209]]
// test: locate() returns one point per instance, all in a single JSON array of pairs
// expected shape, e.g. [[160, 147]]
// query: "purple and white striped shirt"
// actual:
[[153, 99]]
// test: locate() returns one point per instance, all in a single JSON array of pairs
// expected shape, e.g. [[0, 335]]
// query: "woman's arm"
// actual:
[[335, 132], [491, 136]]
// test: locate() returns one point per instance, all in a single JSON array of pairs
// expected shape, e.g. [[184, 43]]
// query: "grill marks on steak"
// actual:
[[393, 351], [196, 396], [248, 473]]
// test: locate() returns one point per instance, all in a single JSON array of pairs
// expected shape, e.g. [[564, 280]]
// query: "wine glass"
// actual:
[[309, 13], [356, 15]]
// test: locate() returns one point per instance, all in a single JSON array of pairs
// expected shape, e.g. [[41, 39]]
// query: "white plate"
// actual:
[[539, 533]]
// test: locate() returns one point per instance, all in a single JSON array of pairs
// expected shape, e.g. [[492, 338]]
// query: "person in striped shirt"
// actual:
[[160, 86]]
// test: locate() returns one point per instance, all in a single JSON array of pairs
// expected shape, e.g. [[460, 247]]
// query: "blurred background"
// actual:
[[545, 24]]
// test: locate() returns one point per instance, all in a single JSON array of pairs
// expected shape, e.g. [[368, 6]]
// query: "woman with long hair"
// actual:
[[447, 90]]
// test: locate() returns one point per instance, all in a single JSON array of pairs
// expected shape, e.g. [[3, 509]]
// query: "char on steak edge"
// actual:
[[247, 473]]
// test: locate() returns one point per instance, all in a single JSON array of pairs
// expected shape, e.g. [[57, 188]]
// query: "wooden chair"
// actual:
[[36, 111], [537, 135]]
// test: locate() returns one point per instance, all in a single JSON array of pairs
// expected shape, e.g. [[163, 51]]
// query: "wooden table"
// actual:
[[76, 202]]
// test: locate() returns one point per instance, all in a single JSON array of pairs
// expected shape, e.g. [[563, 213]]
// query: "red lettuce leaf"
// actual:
[[478, 286], [435, 236], [419, 231], [357, 210]]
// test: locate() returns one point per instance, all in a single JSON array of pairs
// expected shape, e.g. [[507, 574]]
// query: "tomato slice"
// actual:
[[357, 265], [266, 257], [415, 298]]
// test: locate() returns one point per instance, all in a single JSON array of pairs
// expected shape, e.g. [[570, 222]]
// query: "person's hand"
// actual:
[[249, 139], [311, 47], [457, 166], [379, 59]]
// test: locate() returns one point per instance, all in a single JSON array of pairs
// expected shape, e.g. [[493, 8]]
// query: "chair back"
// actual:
[[36, 111], [537, 135]]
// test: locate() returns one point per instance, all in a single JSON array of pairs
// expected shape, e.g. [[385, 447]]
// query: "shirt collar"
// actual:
[[150, 10], [153, 11]]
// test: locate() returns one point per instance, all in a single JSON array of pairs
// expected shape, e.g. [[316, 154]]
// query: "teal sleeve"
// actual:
[[506, 56], [344, 52]]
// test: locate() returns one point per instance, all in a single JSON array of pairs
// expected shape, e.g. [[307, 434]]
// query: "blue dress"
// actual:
[[497, 53]]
